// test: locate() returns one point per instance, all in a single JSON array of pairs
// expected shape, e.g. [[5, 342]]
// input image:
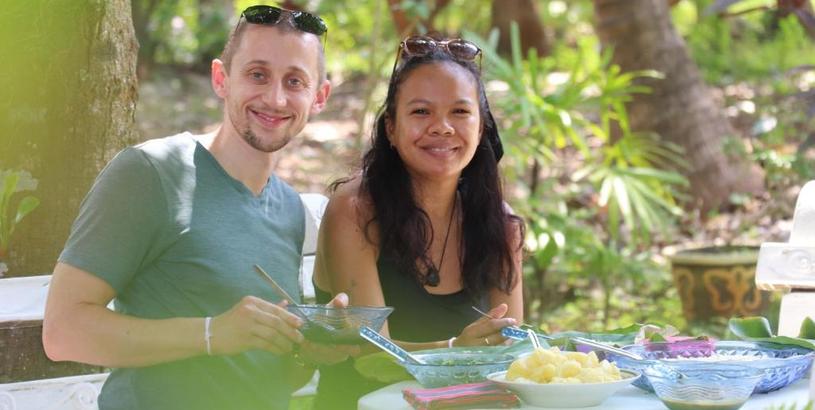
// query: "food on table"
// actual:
[[553, 366]]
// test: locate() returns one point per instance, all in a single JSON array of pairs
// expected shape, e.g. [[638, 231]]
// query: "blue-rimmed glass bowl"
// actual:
[[709, 385], [327, 324], [447, 367], [781, 365]]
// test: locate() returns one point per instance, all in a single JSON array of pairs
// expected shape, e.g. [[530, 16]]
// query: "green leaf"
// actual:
[[382, 367], [26, 205], [807, 329], [544, 258], [622, 197], [750, 327], [666, 176], [9, 186], [757, 329], [789, 341]]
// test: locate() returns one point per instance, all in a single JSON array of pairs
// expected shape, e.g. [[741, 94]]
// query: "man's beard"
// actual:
[[257, 144]]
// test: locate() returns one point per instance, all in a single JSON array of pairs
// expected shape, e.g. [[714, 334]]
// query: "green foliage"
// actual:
[[361, 37], [748, 47], [684, 16], [595, 197], [807, 329], [784, 128], [472, 14], [758, 328], [14, 182], [547, 119], [187, 33]]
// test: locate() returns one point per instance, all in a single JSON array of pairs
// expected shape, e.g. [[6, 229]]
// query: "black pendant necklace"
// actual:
[[432, 277]]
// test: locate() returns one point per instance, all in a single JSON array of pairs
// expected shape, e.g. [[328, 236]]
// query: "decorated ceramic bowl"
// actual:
[[706, 385], [780, 365], [563, 395], [446, 367]]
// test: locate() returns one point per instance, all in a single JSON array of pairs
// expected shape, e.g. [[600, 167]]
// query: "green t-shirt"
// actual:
[[176, 236]]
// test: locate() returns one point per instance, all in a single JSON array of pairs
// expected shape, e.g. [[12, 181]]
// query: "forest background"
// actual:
[[631, 127]]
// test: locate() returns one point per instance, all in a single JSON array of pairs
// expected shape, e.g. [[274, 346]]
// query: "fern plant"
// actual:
[[14, 182], [576, 163]]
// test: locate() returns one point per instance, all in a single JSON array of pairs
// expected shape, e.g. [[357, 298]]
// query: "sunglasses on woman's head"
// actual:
[[270, 15], [459, 49]]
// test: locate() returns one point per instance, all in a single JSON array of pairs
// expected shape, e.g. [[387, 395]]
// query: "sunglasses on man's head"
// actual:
[[270, 15], [458, 48]]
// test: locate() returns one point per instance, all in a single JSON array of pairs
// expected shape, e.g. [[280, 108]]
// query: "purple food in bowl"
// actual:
[[687, 348]]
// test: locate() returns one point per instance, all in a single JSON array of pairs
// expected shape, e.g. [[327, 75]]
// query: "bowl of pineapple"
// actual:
[[548, 377]]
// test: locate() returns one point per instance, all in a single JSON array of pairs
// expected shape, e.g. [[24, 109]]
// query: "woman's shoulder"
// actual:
[[350, 201]]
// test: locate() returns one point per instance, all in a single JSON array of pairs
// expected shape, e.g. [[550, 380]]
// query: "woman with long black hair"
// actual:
[[424, 227]]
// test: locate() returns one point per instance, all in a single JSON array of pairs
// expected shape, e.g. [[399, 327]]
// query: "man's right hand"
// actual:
[[254, 323]]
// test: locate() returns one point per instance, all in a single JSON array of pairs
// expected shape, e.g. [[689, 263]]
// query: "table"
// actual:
[[630, 397]]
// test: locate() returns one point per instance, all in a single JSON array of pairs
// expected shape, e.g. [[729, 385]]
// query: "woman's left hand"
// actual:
[[486, 331]]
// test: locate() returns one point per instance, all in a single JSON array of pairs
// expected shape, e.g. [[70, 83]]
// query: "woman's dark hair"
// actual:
[[405, 231]]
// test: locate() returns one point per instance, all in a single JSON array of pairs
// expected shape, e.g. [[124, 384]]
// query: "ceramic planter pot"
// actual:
[[718, 281]]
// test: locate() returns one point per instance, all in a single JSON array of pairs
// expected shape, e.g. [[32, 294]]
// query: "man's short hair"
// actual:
[[285, 25]]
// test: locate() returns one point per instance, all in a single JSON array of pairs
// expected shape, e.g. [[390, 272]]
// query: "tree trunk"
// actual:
[[680, 107], [69, 95], [525, 13]]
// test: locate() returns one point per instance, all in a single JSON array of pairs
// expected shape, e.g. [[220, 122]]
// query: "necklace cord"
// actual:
[[432, 278]]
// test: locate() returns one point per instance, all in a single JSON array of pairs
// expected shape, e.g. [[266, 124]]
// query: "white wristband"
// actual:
[[208, 334], [450, 342]]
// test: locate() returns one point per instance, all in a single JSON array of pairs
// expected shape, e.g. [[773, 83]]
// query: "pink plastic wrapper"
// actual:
[[683, 346]]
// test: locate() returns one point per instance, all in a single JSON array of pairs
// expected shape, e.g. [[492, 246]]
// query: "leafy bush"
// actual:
[[595, 193], [14, 182]]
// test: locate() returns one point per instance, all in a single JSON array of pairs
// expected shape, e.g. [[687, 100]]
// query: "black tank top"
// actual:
[[418, 316]]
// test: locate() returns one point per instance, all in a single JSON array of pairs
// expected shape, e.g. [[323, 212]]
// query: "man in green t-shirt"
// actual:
[[171, 230]]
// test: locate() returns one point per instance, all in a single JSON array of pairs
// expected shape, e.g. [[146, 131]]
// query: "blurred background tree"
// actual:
[[69, 97], [680, 107]]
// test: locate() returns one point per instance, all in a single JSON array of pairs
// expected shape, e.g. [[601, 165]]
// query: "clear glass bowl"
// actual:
[[325, 324], [780, 365], [714, 386], [446, 367]]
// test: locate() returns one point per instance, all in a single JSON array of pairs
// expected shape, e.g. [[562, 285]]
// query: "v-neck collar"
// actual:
[[235, 183]]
